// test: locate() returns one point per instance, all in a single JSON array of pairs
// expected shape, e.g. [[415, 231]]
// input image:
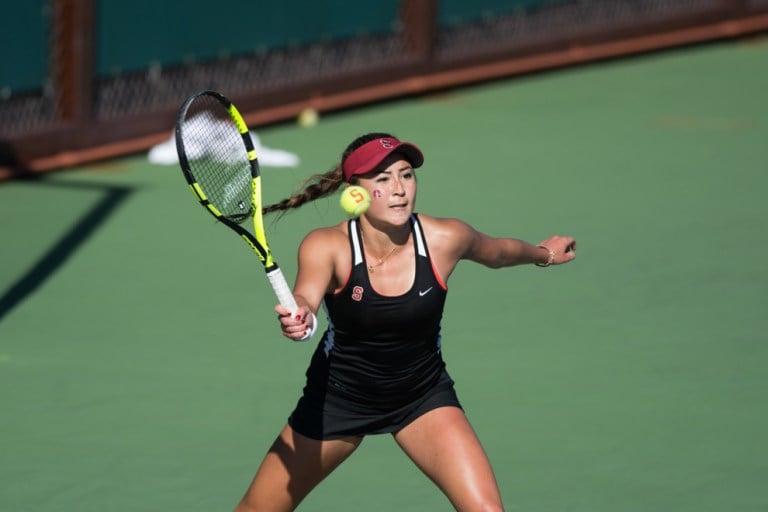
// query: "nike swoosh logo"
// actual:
[[423, 293]]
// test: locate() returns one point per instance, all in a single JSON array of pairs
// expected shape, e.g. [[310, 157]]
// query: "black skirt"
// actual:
[[329, 414]]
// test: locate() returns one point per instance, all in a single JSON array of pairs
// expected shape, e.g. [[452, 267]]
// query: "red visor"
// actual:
[[368, 156]]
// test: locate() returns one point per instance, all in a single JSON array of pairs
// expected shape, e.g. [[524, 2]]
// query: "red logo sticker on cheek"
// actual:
[[377, 194]]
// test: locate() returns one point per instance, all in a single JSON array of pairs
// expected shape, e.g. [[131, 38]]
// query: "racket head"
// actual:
[[218, 159], [217, 156]]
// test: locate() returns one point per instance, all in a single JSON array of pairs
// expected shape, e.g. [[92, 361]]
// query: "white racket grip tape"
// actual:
[[285, 296], [283, 292]]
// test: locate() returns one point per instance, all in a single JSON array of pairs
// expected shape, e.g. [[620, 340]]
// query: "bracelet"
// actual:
[[311, 330], [551, 259]]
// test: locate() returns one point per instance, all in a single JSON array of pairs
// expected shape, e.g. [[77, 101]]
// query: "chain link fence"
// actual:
[[68, 111]]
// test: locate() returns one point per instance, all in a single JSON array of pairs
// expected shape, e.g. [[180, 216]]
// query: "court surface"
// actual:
[[141, 366]]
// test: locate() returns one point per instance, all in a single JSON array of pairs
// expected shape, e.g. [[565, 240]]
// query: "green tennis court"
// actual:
[[141, 367]]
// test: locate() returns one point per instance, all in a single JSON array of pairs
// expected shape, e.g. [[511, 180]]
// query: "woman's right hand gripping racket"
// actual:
[[219, 161]]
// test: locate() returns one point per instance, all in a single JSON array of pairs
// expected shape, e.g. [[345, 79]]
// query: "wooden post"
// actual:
[[73, 59], [419, 18]]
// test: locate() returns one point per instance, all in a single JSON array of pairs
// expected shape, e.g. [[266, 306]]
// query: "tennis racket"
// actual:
[[218, 158]]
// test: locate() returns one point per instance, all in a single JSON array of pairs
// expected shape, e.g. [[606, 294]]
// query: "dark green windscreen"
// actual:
[[24, 29], [457, 12], [134, 35]]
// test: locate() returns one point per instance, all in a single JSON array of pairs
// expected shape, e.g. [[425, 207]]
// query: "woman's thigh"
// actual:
[[445, 447], [293, 466]]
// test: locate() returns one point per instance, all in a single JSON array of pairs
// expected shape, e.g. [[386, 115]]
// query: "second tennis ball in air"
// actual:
[[355, 200]]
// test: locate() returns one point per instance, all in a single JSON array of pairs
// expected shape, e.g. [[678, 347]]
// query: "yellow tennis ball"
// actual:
[[308, 118], [355, 200]]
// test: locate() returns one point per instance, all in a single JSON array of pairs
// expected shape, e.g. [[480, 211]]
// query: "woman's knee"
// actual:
[[293, 466]]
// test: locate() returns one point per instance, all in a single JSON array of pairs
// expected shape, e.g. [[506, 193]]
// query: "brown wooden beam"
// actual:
[[419, 19], [74, 65]]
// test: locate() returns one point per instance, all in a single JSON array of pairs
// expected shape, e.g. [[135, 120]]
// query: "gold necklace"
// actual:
[[382, 260]]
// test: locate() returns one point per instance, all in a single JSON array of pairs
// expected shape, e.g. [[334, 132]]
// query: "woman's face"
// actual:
[[393, 192]]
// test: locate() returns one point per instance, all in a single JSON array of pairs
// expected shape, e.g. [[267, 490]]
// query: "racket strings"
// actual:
[[217, 159]]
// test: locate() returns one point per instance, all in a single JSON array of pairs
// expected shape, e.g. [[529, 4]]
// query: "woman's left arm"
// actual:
[[506, 252], [462, 241]]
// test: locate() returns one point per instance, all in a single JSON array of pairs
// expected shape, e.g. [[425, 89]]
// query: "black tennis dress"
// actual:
[[378, 365]]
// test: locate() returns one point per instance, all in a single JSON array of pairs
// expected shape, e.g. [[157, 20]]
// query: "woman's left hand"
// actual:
[[564, 248]]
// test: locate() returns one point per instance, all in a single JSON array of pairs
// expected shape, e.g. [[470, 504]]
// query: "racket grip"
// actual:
[[280, 286]]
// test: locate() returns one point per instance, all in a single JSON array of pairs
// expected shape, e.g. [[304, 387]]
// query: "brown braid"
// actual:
[[321, 185], [315, 187]]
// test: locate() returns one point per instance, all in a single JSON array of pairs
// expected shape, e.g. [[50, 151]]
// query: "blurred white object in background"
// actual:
[[165, 152]]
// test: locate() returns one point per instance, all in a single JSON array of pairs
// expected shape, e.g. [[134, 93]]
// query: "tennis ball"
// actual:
[[355, 200], [308, 118]]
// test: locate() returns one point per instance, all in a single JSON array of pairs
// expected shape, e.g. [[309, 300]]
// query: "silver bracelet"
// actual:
[[551, 259]]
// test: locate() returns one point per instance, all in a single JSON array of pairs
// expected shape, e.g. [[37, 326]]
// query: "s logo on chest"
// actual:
[[357, 293]]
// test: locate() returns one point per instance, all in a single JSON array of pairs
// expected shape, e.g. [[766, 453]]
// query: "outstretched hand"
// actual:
[[295, 326], [564, 248]]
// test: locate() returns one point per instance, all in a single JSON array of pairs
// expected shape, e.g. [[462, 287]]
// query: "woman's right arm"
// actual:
[[315, 276]]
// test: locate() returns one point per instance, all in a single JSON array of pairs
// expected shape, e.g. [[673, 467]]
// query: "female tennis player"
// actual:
[[378, 367]]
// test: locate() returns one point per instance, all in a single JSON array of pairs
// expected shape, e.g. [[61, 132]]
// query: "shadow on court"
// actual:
[[64, 247]]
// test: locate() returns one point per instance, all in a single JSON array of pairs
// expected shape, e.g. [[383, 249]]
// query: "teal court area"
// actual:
[[141, 367]]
